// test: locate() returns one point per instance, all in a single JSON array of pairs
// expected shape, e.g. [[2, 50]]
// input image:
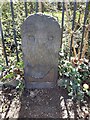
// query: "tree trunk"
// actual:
[[40, 7]]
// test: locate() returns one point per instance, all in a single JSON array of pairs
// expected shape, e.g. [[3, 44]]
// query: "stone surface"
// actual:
[[40, 44]]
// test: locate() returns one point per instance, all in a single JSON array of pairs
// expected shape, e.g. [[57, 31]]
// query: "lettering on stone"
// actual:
[[40, 45]]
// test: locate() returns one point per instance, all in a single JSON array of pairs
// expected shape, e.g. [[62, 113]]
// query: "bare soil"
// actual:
[[40, 103]]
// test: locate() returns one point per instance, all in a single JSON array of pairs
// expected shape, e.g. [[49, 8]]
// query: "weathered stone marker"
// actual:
[[40, 44]]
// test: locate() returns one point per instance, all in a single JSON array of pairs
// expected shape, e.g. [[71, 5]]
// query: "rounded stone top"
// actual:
[[40, 18]]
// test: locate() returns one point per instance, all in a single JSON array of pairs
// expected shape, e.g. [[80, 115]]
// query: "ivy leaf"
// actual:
[[1, 68], [88, 93], [20, 64], [8, 76], [71, 93]]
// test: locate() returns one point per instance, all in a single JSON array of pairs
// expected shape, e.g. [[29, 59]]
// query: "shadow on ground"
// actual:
[[43, 103]]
